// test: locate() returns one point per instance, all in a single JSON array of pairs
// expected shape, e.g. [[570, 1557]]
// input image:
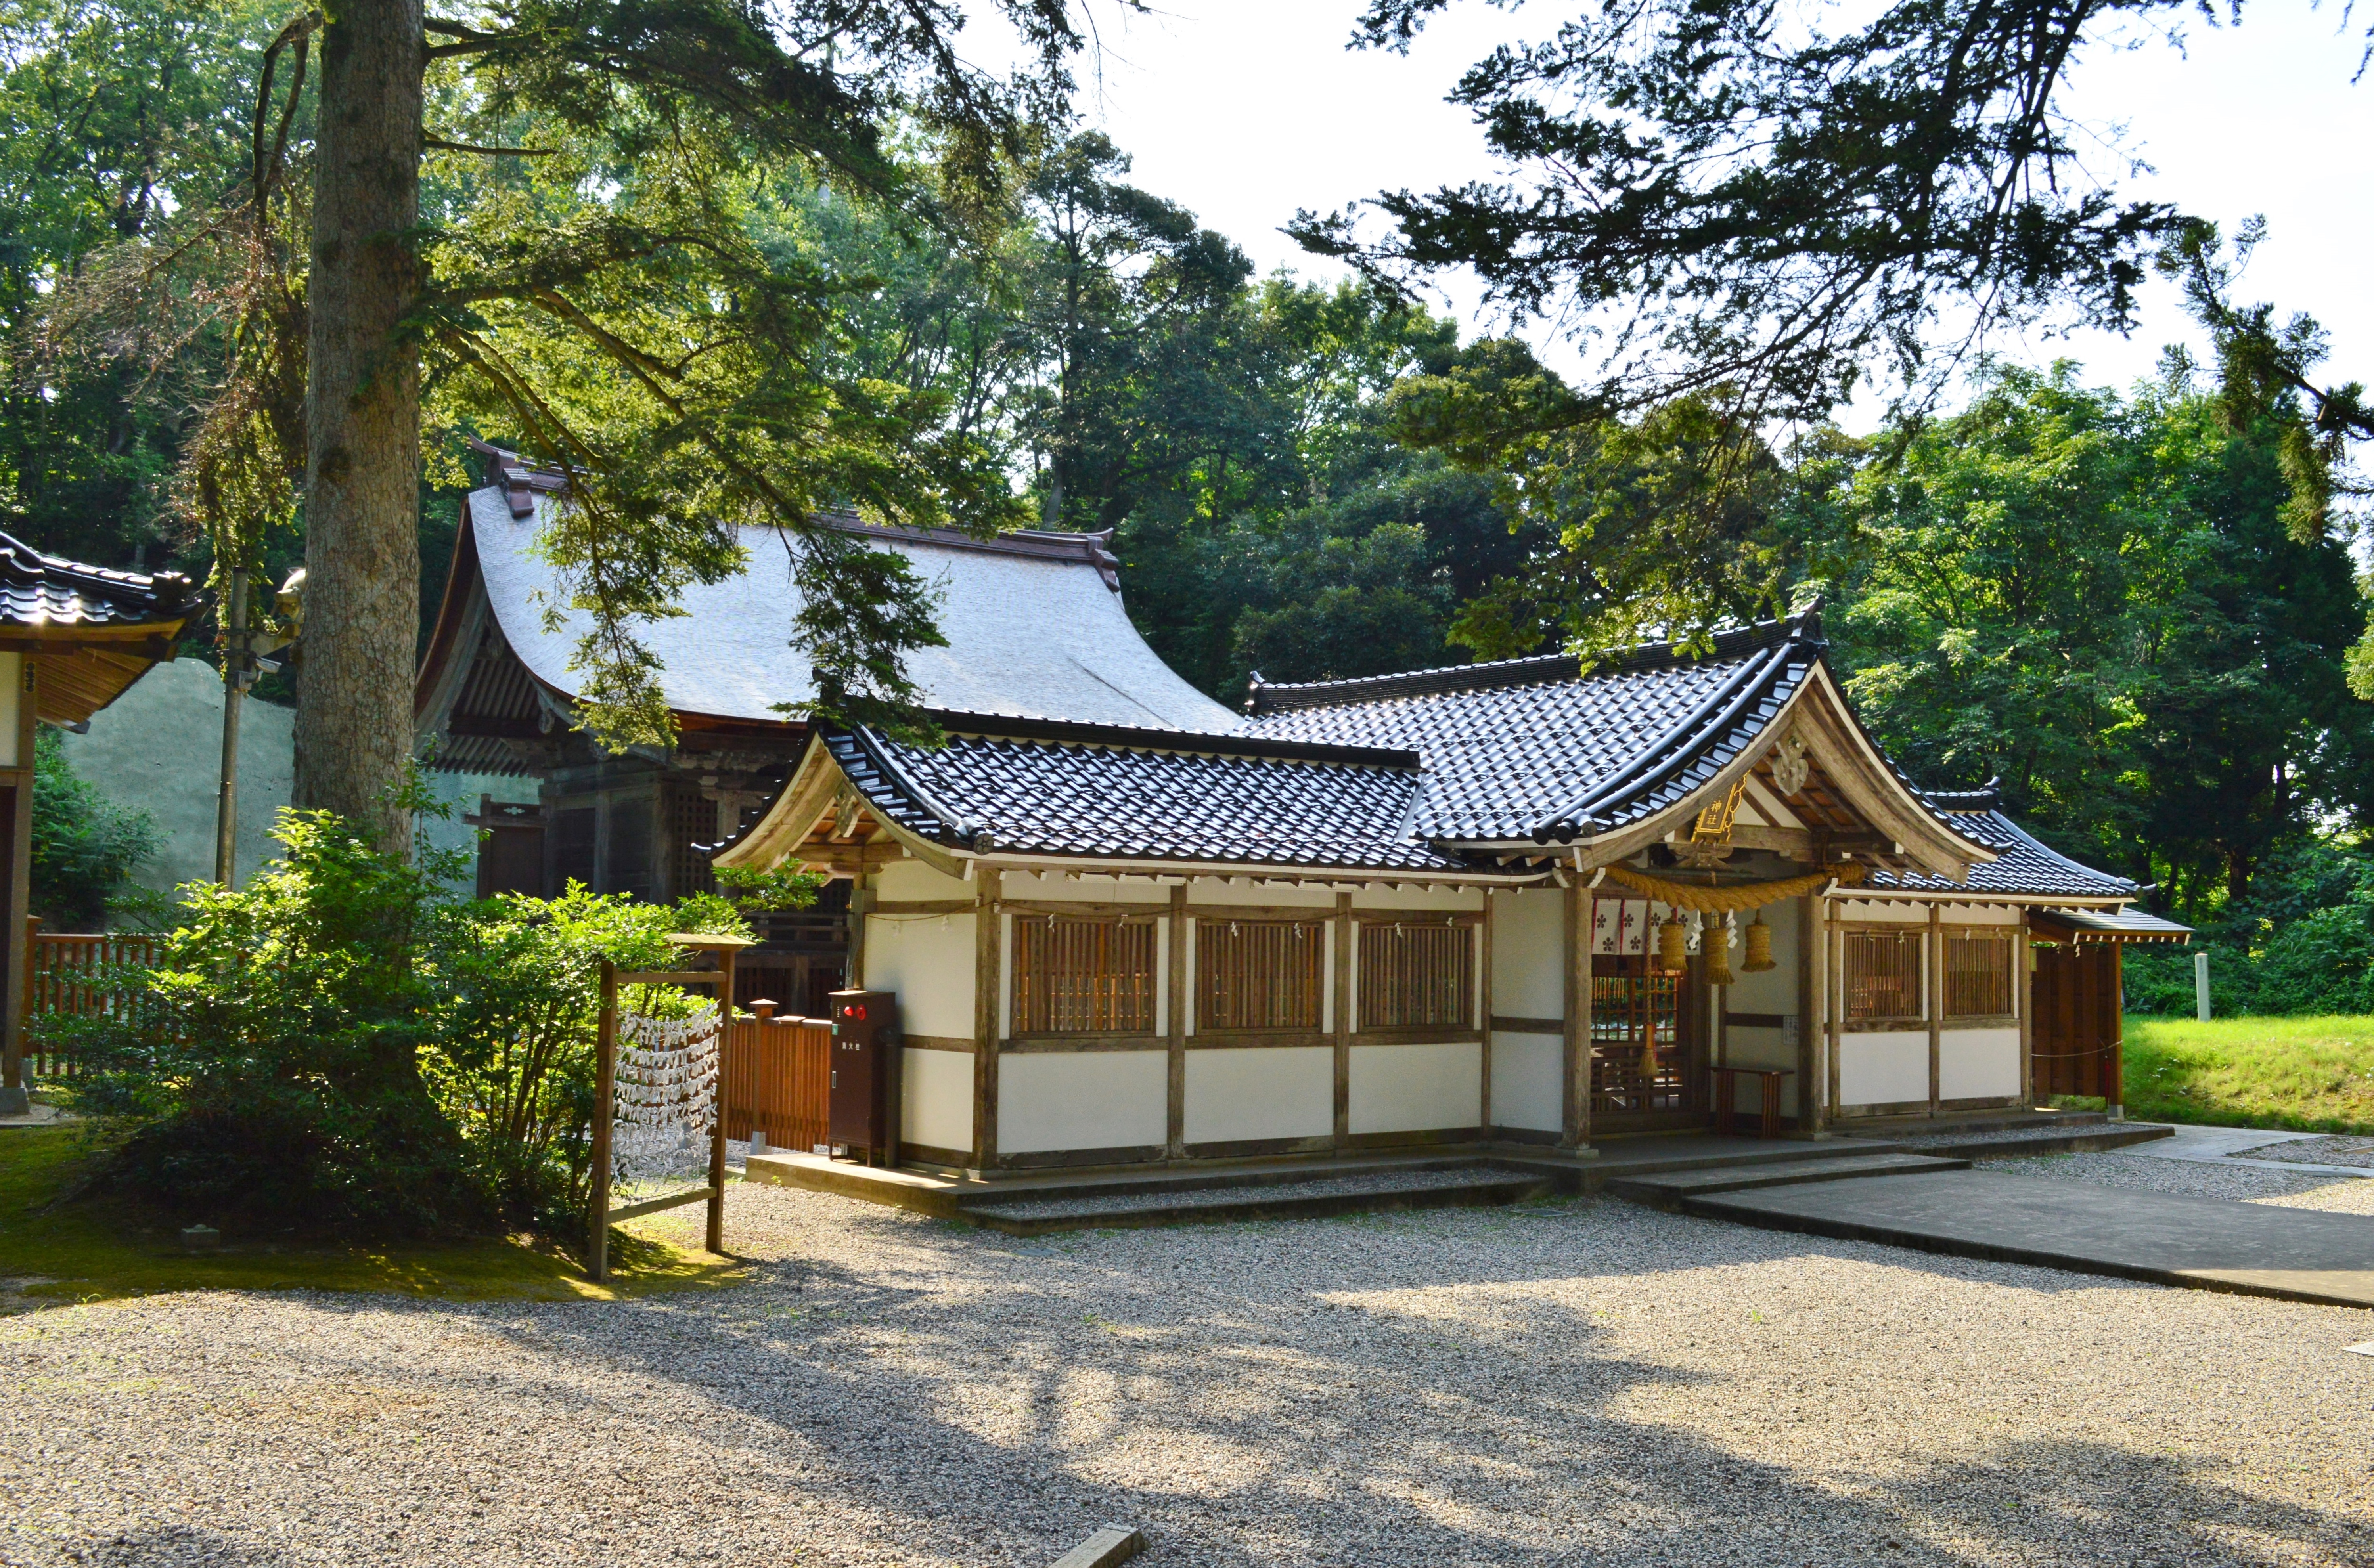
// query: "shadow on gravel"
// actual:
[[998, 1397]]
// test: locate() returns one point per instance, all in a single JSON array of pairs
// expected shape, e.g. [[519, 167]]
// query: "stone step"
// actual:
[[1667, 1191], [2010, 1143], [1358, 1193]]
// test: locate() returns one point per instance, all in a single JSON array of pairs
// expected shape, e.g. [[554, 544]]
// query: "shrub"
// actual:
[[271, 1057], [344, 1043]]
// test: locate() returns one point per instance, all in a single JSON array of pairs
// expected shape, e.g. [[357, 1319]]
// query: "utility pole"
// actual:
[[239, 674]]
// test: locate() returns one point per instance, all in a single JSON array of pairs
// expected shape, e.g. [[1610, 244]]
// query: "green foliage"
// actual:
[[769, 891], [271, 1058], [85, 846], [2312, 1074], [512, 1059], [342, 1043]]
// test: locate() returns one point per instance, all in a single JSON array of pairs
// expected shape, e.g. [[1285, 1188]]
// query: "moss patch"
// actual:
[[93, 1249], [2297, 1074]]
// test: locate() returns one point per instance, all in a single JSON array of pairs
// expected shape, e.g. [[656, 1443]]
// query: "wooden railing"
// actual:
[[67, 974], [779, 1078]]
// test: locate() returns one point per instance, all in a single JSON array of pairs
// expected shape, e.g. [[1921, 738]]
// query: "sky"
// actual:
[[1244, 111]]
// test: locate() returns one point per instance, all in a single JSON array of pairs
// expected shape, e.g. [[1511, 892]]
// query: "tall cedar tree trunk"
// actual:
[[362, 418]]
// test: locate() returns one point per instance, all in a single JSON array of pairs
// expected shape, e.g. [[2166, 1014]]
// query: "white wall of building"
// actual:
[[929, 960], [936, 1098], [1416, 1088], [1883, 1067], [1051, 1101], [1527, 1080], [1257, 1092], [1977, 1064]]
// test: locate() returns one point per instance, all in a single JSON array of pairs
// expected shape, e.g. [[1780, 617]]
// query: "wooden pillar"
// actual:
[[1936, 1002], [17, 936], [1834, 999], [1175, 1140], [988, 981], [1344, 936], [1809, 1010], [2114, 1066], [1482, 1004], [2023, 980], [716, 1238], [605, 1109], [1575, 1068]]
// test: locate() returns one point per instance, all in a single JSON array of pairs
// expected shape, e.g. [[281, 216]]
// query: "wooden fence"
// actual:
[[2077, 1032], [779, 1078], [66, 975]]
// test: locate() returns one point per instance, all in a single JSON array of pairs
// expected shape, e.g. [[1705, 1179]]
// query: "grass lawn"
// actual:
[[93, 1249], [2301, 1074]]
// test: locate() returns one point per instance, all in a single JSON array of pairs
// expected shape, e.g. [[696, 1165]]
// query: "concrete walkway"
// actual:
[[2230, 1146], [2205, 1243]]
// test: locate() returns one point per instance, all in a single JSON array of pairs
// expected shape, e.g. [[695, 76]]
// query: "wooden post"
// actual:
[[2023, 979], [2114, 1067], [13, 1096], [1483, 1002], [988, 980], [1175, 1120], [1834, 1007], [1574, 1071], [605, 1109], [1936, 1002], [1344, 929], [716, 1238], [1805, 1013]]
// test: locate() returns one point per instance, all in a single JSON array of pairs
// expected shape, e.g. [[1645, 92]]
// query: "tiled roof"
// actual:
[[1242, 803], [39, 590], [1529, 749], [2022, 866]]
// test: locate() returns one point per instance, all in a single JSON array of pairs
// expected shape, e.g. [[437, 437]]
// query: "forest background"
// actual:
[[2089, 593]]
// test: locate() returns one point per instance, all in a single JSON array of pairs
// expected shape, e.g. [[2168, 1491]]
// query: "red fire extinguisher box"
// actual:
[[865, 1057]]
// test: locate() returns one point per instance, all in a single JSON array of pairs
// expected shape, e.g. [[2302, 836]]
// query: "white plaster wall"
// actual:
[[1411, 1088], [1972, 1063], [1528, 931], [1895, 911], [12, 692], [1053, 1100], [1526, 1070], [1773, 990], [1259, 1092], [906, 880], [1056, 886], [928, 961], [1383, 895], [1256, 890], [936, 1098], [1883, 1068]]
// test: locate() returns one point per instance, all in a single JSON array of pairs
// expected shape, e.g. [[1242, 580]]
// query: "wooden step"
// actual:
[[1346, 1194]]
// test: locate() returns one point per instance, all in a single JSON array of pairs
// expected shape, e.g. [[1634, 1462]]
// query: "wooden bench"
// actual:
[[1726, 1096]]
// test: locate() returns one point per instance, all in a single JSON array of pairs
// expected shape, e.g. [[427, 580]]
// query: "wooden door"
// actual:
[[2077, 1030], [1648, 1067]]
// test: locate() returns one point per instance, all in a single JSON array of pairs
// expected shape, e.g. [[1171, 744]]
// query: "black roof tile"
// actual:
[[39, 590], [1531, 749]]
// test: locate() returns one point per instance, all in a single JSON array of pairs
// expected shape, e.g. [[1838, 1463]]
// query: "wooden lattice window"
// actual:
[[1883, 975], [1416, 975], [1074, 976], [1977, 975], [1258, 974]]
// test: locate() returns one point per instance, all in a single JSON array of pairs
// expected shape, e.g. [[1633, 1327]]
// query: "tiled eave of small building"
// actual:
[[1155, 800]]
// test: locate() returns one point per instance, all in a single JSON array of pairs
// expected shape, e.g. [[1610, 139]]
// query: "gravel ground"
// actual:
[[1575, 1382], [2204, 1178], [2320, 1151], [1334, 1187]]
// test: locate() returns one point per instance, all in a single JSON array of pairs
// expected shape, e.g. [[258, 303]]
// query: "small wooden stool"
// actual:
[[1726, 1096]]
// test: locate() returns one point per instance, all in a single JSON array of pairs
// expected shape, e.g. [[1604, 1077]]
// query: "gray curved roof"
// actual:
[[1533, 749], [2022, 866], [1035, 628]]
